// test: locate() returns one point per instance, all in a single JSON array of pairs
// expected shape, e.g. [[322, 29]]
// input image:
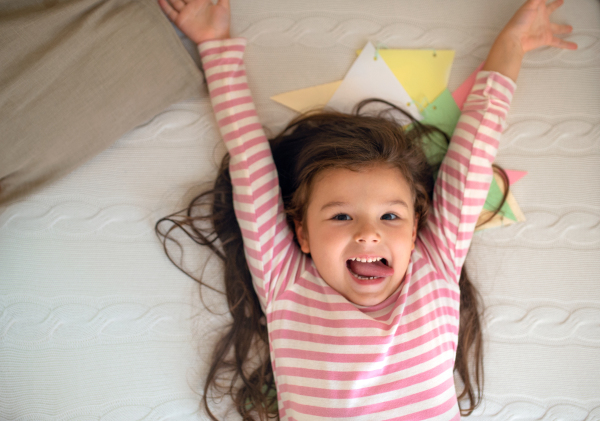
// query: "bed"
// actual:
[[97, 324]]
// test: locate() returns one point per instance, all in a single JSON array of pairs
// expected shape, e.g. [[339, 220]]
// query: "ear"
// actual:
[[414, 232], [302, 236]]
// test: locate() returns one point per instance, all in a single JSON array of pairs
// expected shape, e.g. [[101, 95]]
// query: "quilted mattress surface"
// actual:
[[97, 324]]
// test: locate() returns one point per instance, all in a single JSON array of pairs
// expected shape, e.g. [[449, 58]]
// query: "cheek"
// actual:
[[327, 243]]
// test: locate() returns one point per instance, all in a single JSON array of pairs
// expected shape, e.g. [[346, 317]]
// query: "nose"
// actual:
[[367, 234]]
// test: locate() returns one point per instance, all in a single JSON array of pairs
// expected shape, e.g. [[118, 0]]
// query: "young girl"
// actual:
[[356, 270]]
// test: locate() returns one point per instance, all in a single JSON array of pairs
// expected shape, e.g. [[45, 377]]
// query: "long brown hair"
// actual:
[[241, 365]]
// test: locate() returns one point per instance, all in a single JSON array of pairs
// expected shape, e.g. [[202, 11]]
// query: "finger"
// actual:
[[178, 5], [554, 5], [561, 43], [199, 7], [533, 4], [224, 3], [168, 9], [560, 29]]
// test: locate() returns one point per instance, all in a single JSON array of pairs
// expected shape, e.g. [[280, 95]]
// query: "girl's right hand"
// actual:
[[199, 20]]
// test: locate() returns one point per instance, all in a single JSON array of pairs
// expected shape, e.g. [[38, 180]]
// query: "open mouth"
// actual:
[[367, 269]]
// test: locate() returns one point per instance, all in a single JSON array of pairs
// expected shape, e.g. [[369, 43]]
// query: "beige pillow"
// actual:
[[75, 76]]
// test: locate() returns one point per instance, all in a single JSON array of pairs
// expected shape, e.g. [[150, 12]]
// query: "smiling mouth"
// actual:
[[366, 270]]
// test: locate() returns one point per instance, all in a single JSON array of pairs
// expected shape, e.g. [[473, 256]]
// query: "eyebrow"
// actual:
[[332, 205], [340, 204], [398, 202]]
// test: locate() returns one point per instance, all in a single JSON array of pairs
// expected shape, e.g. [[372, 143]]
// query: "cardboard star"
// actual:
[[423, 74], [307, 99], [371, 77], [428, 79]]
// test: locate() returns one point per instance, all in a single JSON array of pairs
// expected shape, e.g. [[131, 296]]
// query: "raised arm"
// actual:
[[256, 194], [466, 172]]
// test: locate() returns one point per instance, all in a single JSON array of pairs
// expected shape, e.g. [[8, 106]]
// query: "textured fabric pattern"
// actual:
[[332, 359], [96, 323], [75, 77]]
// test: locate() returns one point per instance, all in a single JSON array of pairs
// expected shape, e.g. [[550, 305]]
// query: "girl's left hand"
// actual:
[[531, 28], [199, 20]]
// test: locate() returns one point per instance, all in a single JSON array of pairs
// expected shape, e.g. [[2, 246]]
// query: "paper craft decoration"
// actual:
[[462, 92], [306, 99], [442, 113], [494, 198], [503, 218], [370, 77], [514, 175], [424, 74]]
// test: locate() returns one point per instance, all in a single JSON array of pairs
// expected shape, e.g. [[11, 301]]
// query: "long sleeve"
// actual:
[[331, 359], [256, 194], [466, 172]]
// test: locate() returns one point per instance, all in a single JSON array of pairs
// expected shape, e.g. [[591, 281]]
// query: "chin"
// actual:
[[368, 301]]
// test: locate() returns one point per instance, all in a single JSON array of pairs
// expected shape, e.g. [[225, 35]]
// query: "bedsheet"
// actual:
[[97, 324]]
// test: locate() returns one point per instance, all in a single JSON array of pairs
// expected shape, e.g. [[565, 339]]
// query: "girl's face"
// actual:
[[366, 215]]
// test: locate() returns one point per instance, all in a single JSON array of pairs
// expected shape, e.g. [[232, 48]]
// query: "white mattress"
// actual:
[[97, 324]]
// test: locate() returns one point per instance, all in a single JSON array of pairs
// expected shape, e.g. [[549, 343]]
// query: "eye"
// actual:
[[341, 217], [389, 216]]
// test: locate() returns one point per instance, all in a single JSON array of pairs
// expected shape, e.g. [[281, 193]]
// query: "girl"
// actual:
[[356, 271]]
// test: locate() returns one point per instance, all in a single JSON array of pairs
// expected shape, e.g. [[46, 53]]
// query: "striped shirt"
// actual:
[[331, 358]]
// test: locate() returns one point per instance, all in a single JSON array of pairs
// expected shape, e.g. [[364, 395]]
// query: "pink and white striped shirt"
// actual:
[[332, 359]]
